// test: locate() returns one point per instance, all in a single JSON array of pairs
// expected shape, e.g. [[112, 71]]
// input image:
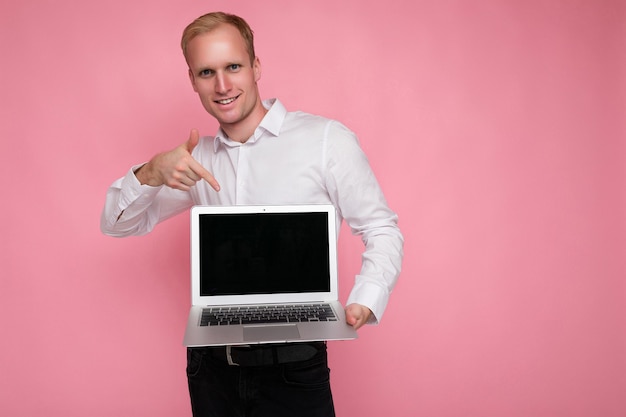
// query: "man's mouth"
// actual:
[[226, 100]]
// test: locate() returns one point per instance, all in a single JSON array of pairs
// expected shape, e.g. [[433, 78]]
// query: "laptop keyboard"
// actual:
[[295, 313]]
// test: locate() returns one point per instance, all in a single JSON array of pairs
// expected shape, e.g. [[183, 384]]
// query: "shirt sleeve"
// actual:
[[133, 209], [356, 193]]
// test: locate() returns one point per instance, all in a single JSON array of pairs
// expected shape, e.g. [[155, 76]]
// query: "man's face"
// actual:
[[223, 76]]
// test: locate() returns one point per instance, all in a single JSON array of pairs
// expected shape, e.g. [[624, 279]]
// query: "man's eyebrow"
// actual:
[[200, 66]]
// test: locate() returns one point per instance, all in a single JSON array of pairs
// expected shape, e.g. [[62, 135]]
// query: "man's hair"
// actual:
[[210, 21]]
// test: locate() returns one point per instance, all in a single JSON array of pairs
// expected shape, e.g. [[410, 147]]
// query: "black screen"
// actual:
[[262, 253]]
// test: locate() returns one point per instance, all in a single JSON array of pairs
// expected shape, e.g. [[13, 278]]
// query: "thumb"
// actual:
[[194, 138], [350, 315]]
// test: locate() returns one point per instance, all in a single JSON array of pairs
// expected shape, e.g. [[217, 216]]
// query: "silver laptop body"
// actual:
[[264, 274]]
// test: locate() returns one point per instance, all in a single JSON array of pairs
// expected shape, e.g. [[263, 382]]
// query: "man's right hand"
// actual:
[[176, 168]]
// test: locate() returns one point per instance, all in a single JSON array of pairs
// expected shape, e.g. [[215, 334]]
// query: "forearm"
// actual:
[[134, 209]]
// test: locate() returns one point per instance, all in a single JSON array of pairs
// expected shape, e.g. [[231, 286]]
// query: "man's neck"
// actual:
[[242, 131]]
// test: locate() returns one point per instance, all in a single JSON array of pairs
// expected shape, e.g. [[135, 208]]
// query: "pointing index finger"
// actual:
[[204, 174]]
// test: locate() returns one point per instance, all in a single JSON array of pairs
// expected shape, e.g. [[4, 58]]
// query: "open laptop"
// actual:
[[264, 274]]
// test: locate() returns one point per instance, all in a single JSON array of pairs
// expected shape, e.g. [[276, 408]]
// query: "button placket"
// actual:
[[242, 174]]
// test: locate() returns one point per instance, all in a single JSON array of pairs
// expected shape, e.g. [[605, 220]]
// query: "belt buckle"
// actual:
[[229, 356]]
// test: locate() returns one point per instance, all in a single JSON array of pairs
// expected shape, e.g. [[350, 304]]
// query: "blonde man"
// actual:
[[261, 154]]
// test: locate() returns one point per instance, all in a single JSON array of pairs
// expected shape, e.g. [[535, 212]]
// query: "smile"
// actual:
[[227, 100]]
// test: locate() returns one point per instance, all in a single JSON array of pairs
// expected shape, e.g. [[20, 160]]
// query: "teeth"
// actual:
[[226, 101]]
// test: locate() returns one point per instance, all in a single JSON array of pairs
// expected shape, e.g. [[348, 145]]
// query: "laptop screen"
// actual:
[[263, 253]]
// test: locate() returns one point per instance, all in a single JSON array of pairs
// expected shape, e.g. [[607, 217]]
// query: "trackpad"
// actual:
[[271, 333]]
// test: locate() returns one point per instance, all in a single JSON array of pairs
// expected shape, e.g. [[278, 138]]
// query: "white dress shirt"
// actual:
[[292, 158]]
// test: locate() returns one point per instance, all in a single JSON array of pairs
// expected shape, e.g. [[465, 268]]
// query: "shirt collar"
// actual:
[[271, 123]]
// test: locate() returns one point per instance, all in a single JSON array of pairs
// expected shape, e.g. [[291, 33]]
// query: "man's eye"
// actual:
[[234, 67], [206, 73]]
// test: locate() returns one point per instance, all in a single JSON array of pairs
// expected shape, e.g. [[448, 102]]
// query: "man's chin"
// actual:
[[224, 117]]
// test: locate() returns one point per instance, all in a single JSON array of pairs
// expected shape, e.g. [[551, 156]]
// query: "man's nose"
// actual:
[[222, 83]]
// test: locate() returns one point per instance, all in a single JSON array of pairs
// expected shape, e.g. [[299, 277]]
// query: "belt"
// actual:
[[266, 355]]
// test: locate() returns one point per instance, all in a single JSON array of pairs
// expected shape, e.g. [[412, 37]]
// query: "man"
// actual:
[[261, 154]]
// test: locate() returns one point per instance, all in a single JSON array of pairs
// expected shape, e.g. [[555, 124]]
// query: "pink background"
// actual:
[[496, 128]]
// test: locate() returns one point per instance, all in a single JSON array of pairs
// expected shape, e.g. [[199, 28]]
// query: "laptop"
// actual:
[[264, 274]]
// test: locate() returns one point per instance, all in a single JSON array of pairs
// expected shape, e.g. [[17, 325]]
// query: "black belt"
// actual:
[[266, 355]]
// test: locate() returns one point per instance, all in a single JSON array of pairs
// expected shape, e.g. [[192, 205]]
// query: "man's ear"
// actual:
[[256, 67], [193, 80]]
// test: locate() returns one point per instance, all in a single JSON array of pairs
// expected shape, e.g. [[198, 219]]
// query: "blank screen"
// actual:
[[263, 253]]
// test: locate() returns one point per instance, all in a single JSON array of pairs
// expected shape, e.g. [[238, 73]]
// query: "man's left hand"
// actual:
[[357, 315]]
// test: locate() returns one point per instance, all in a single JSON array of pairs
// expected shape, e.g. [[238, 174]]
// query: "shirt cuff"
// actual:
[[132, 189], [372, 296]]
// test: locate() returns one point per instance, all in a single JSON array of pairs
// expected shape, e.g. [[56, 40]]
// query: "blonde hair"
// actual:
[[210, 21]]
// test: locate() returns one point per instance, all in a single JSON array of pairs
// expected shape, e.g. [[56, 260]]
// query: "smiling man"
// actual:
[[261, 154]]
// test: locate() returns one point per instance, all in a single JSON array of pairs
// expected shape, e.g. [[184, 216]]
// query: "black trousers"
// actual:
[[296, 388]]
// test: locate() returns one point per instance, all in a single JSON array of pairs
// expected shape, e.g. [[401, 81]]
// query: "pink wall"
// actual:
[[495, 127]]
